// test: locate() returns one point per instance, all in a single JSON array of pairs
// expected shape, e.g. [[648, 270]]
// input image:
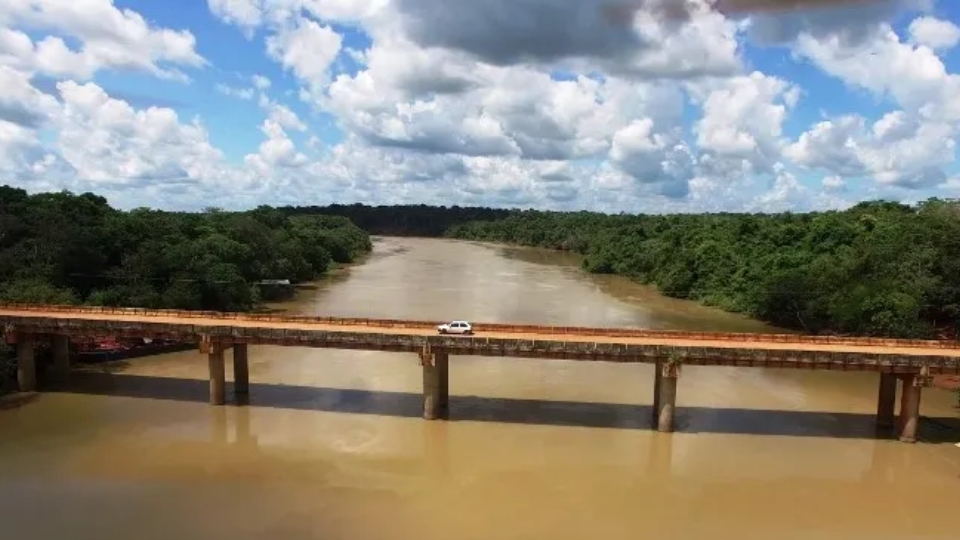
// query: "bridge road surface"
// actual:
[[753, 342]]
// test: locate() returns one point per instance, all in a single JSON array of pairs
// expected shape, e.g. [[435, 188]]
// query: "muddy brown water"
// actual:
[[331, 446]]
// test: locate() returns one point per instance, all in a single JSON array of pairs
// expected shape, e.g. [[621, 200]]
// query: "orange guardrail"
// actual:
[[493, 327]]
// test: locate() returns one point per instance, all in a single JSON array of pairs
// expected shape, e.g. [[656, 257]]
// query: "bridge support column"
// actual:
[[217, 377], [666, 407], [910, 408], [26, 362], [436, 384], [241, 370], [657, 383], [61, 358], [886, 400]]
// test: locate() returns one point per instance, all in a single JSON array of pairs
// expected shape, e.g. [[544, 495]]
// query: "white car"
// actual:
[[455, 327]]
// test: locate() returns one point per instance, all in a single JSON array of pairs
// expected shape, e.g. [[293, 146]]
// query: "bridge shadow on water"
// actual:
[[514, 411]]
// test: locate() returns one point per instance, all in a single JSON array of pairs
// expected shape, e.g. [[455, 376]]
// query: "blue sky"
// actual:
[[459, 102]]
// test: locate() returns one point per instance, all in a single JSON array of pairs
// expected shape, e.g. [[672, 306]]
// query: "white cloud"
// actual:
[[833, 183], [277, 151], [743, 118], [530, 103], [110, 39], [913, 76], [239, 93], [108, 141], [21, 103], [909, 147], [307, 48], [260, 82], [247, 14], [284, 117], [934, 33], [898, 149]]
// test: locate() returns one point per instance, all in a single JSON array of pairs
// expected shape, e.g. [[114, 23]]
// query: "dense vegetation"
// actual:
[[406, 220], [65, 248], [880, 268]]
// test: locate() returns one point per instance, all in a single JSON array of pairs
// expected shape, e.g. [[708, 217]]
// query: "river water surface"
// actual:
[[332, 446]]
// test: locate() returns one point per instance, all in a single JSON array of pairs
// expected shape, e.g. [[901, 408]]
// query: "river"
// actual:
[[332, 446]]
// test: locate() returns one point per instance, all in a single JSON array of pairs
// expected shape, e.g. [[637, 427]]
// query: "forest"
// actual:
[[876, 269], [404, 220], [62, 248]]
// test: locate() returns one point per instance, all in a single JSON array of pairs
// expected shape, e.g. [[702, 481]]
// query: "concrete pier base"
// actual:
[[886, 400], [61, 358], [657, 382], [666, 407], [26, 363], [217, 377], [241, 370], [436, 385], [909, 408]]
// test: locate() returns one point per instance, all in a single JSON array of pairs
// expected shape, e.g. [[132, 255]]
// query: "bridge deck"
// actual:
[[688, 339]]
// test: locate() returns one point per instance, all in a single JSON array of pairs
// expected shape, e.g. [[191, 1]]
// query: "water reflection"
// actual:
[[717, 420]]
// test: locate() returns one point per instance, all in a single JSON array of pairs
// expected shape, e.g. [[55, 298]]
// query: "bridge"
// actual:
[[911, 363]]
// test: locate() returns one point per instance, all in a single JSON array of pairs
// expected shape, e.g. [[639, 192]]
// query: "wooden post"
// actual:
[[26, 363], [910, 408], [217, 376], [436, 385], [886, 400], [670, 372], [241, 370], [61, 358], [657, 383]]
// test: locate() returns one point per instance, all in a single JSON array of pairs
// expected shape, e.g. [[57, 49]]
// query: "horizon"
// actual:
[[508, 209], [539, 104]]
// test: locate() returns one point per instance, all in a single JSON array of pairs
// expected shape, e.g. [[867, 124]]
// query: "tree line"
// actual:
[[404, 220], [76, 249]]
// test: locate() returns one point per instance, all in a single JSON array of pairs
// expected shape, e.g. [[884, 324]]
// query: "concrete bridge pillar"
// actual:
[[667, 404], [657, 383], [217, 376], [886, 400], [436, 384], [241, 370], [61, 358], [910, 408], [26, 362]]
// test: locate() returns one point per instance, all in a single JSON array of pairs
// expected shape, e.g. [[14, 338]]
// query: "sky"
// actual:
[[550, 104]]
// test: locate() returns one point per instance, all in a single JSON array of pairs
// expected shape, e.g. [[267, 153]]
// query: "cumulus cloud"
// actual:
[[849, 23], [934, 33], [110, 39], [637, 105], [505, 33]]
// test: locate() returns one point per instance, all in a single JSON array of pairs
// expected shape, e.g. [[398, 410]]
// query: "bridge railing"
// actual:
[[490, 327]]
